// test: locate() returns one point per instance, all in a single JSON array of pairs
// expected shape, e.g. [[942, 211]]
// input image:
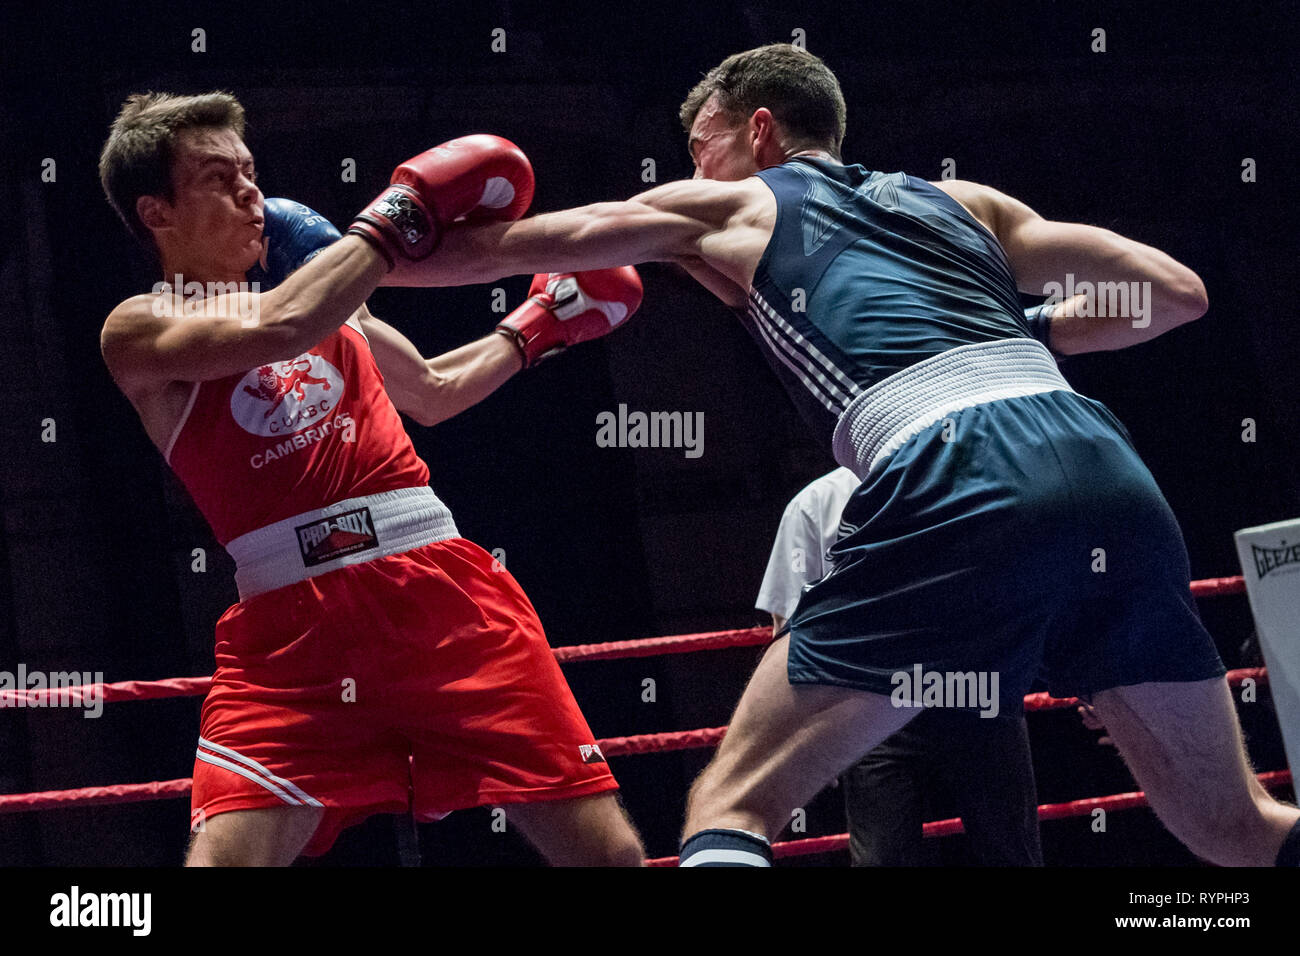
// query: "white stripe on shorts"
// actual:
[[256, 772]]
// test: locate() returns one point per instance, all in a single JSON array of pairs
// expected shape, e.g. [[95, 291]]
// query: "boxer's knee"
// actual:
[[584, 831], [617, 842], [622, 847]]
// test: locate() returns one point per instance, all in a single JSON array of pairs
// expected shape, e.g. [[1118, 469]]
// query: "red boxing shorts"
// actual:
[[420, 680]]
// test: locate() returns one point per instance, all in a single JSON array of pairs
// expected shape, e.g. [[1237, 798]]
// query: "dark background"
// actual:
[[1147, 139]]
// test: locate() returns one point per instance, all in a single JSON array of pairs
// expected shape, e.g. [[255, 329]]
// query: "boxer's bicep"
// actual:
[[150, 339], [408, 379], [599, 236], [1147, 292], [435, 389], [663, 224], [604, 235], [1042, 252], [1132, 292]]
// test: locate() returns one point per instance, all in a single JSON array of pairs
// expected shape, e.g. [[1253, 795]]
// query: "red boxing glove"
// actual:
[[475, 178], [565, 308]]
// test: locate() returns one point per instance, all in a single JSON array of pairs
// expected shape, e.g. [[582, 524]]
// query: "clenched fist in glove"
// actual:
[[474, 178], [565, 308]]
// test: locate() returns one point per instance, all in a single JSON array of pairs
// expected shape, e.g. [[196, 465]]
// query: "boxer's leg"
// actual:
[[785, 743], [944, 562], [270, 837], [584, 831], [1184, 746]]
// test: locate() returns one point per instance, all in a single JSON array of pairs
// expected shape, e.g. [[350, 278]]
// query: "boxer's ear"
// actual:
[[152, 212]]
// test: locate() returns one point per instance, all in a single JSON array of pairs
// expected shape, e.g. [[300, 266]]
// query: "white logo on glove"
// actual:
[[571, 302]]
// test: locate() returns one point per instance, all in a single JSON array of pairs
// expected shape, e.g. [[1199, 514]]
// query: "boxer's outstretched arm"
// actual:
[[434, 390], [1154, 291], [686, 219], [150, 339]]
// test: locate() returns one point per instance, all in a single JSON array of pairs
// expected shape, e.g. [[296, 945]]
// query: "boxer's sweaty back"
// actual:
[[866, 274]]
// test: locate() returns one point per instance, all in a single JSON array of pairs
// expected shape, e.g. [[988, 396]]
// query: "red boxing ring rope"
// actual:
[[1047, 811], [612, 650], [610, 746]]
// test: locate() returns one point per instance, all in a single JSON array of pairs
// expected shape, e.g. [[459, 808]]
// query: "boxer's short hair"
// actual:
[[137, 158], [800, 90]]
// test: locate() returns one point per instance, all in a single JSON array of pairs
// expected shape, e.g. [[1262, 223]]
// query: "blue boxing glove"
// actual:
[[292, 236], [1038, 318]]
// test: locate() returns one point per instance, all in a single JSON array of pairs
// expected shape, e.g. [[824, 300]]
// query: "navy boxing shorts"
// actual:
[[1022, 537]]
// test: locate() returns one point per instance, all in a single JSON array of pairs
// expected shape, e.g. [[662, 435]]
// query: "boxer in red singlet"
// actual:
[[376, 661]]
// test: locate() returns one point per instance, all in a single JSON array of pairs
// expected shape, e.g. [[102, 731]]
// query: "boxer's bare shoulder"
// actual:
[[157, 345], [738, 219], [988, 206], [159, 401], [209, 331]]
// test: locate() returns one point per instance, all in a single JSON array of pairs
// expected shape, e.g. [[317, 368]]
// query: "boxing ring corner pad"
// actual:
[[1270, 563]]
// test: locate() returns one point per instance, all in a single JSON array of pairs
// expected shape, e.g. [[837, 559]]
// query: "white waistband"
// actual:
[[881, 419], [351, 531]]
